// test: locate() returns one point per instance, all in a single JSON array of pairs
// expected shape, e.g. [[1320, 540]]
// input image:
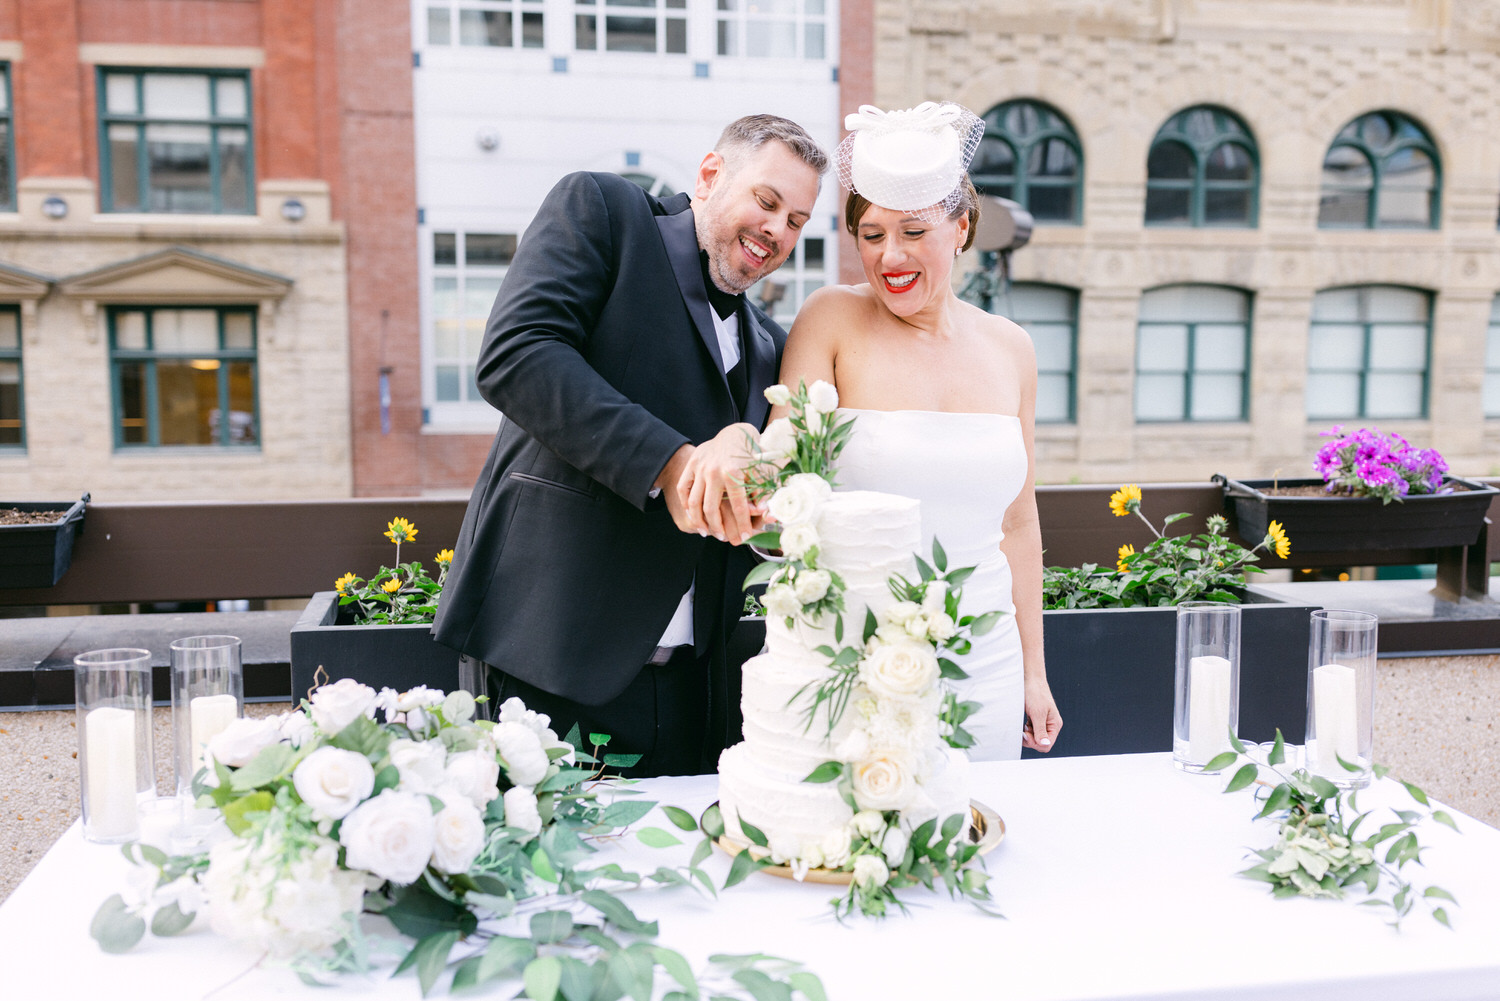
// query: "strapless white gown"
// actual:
[[966, 469]]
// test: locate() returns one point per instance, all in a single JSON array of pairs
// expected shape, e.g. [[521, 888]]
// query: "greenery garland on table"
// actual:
[[474, 838], [1317, 852]]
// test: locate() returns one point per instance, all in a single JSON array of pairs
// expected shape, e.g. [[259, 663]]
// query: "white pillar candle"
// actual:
[[1335, 719], [109, 734], [207, 716], [1208, 708]]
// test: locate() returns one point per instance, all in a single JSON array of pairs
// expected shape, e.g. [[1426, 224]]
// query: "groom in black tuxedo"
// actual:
[[626, 360]]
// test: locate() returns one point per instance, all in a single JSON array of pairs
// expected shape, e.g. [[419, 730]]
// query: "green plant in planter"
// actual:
[[1168, 571], [402, 595]]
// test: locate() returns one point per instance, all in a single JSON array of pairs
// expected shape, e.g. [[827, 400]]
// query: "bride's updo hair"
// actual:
[[856, 204]]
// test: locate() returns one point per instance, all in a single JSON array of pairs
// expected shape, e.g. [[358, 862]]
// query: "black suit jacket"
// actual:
[[601, 353]]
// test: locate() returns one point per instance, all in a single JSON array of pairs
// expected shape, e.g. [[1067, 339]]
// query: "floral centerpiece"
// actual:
[[889, 671], [401, 594], [1367, 463], [472, 837], [1168, 571]]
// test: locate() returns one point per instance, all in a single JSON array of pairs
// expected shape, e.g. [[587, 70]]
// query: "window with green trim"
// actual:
[[173, 141], [1049, 313], [7, 145], [184, 376], [1382, 172], [781, 29], [630, 25], [467, 269], [1192, 360], [1031, 155], [1367, 353], [12, 395], [1492, 363], [1202, 171], [506, 24]]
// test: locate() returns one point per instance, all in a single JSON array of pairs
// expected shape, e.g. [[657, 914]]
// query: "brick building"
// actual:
[[207, 224], [1254, 219]]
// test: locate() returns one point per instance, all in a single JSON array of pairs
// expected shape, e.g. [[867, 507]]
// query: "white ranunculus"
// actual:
[[900, 670], [778, 396], [854, 747], [521, 750], [781, 600], [333, 781], [475, 774], [940, 625], [458, 837], [868, 823], [797, 539], [835, 847], [521, 812], [901, 611], [822, 397], [295, 727], [871, 871], [935, 600], [893, 845], [778, 441], [391, 836], [812, 585], [337, 705], [242, 740], [883, 783], [421, 764]]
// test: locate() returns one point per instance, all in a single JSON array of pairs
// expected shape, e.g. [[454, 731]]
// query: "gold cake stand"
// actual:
[[986, 830]]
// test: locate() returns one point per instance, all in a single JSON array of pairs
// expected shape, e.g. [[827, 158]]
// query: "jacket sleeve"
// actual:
[[532, 364]]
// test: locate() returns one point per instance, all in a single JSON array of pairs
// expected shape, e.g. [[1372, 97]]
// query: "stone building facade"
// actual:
[[1317, 286]]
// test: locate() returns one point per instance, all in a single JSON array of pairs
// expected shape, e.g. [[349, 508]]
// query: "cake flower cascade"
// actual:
[[850, 698]]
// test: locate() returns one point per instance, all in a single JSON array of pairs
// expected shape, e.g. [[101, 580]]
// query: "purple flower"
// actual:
[[1369, 463]]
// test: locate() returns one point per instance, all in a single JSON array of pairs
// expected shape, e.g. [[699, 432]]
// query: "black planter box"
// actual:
[[399, 657], [38, 555], [1113, 672], [1353, 524]]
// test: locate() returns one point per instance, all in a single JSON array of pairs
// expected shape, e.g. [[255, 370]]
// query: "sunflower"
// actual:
[[1126, 551], [400, 530], [1125, 500], [344, 582], [1276, 538], [444, 556], [391, 586]]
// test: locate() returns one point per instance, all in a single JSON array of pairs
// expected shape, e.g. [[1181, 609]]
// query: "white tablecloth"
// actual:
[[1116, 877]]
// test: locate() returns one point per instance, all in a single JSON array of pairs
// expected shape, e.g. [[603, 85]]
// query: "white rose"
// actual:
[[854, 747], [936, 598], [940, 625], [391, 836], [778, 396], [901, 611], [474, 774], [811, 856], [295, 728], [893, 845], [882, 783], [868, 823], [812, 585], [822, 397], [835, 847], [916, 627], [871, 871], [337, 705], [778, 441], [521, 749], [798, 499], [242, 740], [420, 763], [781, 601], [903, 669], [815, 421], [784, 848], [797, 539], [812, 484], [513, 710], [333, 781], [458, 836], [521, 812]]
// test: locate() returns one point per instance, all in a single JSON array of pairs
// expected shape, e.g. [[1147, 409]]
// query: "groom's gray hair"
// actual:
[[746, 135]]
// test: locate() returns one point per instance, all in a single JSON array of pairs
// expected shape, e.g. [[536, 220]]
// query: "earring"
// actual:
[[957, 251]]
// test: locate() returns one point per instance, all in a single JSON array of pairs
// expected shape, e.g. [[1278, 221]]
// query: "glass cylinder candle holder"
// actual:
[[1341, 696], [208, 693], [116, 766], [1207, 704]]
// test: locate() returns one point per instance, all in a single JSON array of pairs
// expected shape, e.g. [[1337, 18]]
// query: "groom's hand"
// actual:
[[711, 486]]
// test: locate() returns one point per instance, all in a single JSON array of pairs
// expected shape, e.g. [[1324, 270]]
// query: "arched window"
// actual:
[[1381, 172], [1203, 170], [1030, 154], [1367, 353], [1192, 360], [1049, 313]]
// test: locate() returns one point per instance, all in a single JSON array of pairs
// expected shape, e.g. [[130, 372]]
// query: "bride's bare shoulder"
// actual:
[[1011, 335], [830, 308]]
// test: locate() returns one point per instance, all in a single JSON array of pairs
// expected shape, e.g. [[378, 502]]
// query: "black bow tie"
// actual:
[[725, 304]]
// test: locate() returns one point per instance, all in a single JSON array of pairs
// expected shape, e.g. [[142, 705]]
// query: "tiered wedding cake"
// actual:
[[884, 733]]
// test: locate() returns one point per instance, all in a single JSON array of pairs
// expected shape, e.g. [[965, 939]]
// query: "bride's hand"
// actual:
[[712, 486], [1043, 721]]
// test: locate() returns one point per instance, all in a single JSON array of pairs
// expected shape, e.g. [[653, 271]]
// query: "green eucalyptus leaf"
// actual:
[[742, 866], [1442, 817], [237, 812], [712, 822], [624, 812], [505, 955], [655, 837], [266, 767], [939, 557], [1416, 793], [1219, 762], [115, 928], [680, 818], [984, 623], [169, 921], [1440, 915], [761, 986], [432, 957], [826, 772], [755, 834], [542, 977], [615, 910], [678, 968], [549, 927], [1242, 778], [1438, 893]]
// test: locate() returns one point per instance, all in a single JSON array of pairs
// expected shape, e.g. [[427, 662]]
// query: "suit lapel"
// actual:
[[681, 241], [762, 370]]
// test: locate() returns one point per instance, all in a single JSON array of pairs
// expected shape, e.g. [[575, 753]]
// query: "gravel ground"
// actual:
[[1435, 725]]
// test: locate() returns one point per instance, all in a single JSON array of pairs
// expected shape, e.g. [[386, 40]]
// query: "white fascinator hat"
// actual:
[[912, 160]]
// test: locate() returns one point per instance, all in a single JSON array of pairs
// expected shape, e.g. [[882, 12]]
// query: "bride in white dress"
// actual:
[[943, 395]]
